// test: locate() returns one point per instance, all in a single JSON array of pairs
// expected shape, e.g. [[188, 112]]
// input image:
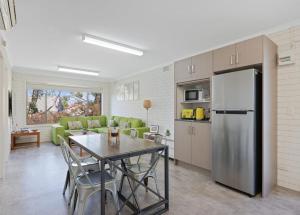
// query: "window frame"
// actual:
[[52, 87]]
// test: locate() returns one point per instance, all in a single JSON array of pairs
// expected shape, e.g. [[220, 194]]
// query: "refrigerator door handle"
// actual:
[[243, 112]]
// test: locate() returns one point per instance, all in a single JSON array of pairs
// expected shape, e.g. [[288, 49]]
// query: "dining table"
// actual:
[[108, 152]]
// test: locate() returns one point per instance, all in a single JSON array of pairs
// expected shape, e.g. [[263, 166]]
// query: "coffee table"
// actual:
[[16, 134]]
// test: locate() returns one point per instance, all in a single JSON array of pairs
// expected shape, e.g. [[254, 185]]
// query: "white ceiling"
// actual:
[[48, 33]]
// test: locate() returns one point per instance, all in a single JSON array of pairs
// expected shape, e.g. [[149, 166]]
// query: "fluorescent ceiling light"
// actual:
[[110, 44], [77, 71]]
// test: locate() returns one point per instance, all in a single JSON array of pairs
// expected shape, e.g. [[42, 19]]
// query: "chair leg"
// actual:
[[82, 198], [66, 182], [115, 197], [73, 207], [71, 194], [133, 184], [146, 183], [156, 182], [121, 183]]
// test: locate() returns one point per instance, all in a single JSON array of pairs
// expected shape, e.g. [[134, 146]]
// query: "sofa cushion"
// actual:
[[74, 125], [84, 119], [102, 130], [113, 123], [93, 130], [136, 123], [93, 123], [102, 119], [124, 125], [67, 132], [126, 131]]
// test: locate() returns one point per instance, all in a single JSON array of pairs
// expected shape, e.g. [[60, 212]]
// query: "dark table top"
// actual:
[[97, 145]]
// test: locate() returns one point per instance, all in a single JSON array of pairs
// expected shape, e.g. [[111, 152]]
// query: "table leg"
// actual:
[[13, 141], [102, 168], [167, 177], [38, 140]]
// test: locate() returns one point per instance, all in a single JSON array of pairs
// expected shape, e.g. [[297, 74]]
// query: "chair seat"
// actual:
[[138, 168], [95, 177], [88, 160]]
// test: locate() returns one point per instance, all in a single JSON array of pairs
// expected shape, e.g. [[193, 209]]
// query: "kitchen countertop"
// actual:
[[193, 120]]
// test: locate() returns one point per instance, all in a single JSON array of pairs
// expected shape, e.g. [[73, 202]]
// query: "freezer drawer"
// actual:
[[234, 149], [234, 90]]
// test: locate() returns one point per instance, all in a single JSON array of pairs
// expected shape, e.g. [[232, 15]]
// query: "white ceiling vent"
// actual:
[[8, 17], [286, 58]]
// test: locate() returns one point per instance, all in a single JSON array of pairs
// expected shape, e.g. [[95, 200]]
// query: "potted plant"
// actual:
[[167, 133]]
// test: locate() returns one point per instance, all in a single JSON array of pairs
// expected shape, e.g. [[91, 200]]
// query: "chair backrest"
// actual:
[[72, 159], [157, 139], [133, 133], [63, 149]]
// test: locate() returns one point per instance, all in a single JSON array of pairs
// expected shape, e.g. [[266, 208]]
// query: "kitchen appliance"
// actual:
[[236, 130], [187, 114], [200, 113], [193, 95]]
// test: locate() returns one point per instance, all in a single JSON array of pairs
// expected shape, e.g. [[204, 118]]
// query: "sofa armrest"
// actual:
[[141, 131], [56, 130]]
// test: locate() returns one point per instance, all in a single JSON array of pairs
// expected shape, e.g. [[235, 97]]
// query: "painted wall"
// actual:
[[19, 95], [289, 110], [156, 85], [5, 122]]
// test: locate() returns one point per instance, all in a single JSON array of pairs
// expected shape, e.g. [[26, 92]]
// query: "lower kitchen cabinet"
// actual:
[[183, 141], [193, 143], [201, 145]]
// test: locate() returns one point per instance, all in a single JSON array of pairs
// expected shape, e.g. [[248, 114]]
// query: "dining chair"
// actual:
[[88, 183], [133, 133], [89, 164], [140, 168]]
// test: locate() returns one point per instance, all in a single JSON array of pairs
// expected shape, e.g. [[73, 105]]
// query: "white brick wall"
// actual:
[[156, 85], [289, 110], [19, 97]]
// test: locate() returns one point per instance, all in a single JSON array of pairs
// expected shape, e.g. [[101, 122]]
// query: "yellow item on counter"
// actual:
[[200, 113], [187, 114]]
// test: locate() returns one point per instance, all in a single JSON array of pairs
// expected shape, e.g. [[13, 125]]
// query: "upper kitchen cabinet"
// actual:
[[183, 70], [249, 52], [224, 58], [242, 54], [202, 66], [194, 68]]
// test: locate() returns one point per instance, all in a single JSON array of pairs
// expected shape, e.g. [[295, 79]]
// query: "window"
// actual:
[[48, 105]]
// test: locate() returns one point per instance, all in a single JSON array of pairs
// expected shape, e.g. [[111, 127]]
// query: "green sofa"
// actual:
[[62, 128], [135, 123]]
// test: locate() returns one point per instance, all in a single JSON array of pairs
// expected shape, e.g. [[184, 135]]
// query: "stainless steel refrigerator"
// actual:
[[236, 130]]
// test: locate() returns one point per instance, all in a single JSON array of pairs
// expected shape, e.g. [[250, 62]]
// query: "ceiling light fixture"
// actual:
[[77, 71], [111, 45]]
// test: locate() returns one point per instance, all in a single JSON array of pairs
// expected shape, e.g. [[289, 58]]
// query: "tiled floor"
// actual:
[[35, 178]]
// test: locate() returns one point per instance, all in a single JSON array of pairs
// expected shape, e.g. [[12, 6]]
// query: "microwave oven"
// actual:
[[193, 95]]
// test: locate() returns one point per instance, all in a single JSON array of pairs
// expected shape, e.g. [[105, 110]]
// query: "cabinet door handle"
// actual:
[[189, 69], [237, 58], [231, 59], [193, 68]]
